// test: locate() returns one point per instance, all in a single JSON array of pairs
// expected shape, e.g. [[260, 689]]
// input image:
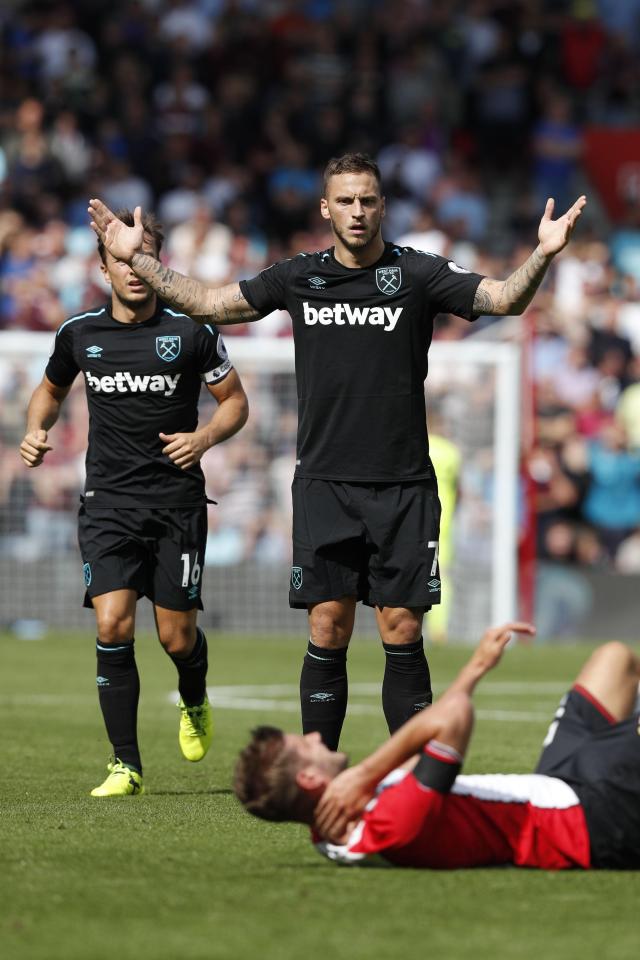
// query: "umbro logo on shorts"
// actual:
[[434, 585], [344, 314], [321, 697]]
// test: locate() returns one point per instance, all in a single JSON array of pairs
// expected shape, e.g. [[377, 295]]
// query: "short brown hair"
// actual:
[[265, 776], [149, 224], [351, 163]]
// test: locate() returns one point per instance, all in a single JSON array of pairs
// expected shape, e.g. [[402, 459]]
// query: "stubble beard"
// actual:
[[358, 244]]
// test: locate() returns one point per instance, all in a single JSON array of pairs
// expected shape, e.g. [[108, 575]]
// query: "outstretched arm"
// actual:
[[221, 305], [512, 296], [450, 720]]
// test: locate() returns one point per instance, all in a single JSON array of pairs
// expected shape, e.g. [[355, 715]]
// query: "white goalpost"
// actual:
[[473, 386]]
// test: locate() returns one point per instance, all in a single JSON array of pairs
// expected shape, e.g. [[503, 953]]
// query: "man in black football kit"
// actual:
[[365, 504], [143, 516]]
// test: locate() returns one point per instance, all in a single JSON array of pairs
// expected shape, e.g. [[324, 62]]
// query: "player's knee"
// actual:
[[177, 641], [330, 630], [402, 629], [614, 655], [113, 628]]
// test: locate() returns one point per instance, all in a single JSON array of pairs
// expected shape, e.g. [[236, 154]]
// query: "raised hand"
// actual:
[[120, 240], [33, 448], [554, 235], [494, 641]]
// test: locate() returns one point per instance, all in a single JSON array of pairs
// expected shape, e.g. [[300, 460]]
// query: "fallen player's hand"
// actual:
[[120, 240], [494, 641], [33, 447], [342, 803], [184, 449]]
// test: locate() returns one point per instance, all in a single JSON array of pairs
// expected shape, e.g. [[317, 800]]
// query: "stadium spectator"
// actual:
[[61, 46], [557, 146], [201, 245], [186, 25], [123, 187], [461, 208], [612, 501], [180, 103], [408, 802]]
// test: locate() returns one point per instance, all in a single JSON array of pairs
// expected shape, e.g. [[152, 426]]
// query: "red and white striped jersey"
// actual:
[[525, 819]]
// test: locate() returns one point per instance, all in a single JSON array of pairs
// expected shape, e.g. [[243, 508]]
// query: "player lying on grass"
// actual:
[[409, 803]]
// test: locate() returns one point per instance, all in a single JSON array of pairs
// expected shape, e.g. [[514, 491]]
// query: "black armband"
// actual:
[[438, 767]]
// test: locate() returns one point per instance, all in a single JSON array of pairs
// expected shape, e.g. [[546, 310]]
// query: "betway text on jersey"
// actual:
[[125, 382], [344, 314]]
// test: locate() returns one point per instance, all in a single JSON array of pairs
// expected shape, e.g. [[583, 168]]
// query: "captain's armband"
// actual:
[[438, 767]]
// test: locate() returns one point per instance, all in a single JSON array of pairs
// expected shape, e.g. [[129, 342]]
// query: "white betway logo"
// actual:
[[344, 313], [124, 382]]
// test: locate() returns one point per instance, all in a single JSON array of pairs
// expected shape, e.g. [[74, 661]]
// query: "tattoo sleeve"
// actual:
[[221, 305], [513, 295]]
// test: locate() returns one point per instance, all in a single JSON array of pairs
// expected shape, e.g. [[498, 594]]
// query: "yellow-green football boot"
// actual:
[[196, 729], [121, 782]]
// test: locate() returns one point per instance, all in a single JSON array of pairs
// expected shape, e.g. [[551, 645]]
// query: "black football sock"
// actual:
[[119, 692], [192, 672], [406, 688], [323, 692]]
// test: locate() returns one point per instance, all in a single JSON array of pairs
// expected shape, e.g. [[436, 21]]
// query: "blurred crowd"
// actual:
[[220, 115]]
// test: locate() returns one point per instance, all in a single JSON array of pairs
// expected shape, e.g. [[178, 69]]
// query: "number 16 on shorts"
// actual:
[[191, 571]]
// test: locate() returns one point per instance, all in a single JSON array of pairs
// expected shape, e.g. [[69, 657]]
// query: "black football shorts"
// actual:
[[157, 552], [377, 542], [600, 759]]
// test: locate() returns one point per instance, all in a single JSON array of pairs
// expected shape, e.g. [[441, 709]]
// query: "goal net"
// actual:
[[472, 403]]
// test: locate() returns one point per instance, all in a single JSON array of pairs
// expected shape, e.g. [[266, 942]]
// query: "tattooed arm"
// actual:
[[205, 304], [221, 305], [513, 295]]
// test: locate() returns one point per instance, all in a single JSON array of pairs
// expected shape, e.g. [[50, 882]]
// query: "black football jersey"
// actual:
[[361, 341], [141, 379]]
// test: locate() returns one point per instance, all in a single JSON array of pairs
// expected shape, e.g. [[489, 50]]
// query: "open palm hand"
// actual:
[[554, 235], [120, 240]]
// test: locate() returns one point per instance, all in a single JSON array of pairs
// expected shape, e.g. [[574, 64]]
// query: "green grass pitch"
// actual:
[[183, 873]]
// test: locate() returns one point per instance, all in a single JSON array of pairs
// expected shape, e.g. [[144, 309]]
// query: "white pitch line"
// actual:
[[260, 705], [283, 698], [496, 687]]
